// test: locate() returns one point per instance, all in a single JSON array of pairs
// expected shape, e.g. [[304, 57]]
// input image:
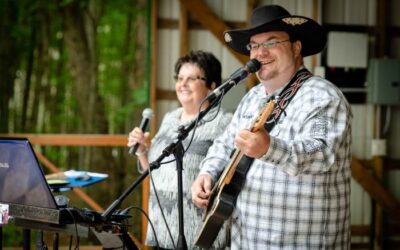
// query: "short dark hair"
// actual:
[[205, 61]]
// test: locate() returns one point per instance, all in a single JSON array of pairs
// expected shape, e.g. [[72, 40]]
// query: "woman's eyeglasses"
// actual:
[[179, 79]]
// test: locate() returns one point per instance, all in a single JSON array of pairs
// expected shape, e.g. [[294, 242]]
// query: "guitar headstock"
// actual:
[[262, 117]]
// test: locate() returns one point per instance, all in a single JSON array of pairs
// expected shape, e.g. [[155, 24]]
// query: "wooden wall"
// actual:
[[180, 26]]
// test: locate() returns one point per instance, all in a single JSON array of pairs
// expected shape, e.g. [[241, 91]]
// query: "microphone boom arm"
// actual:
[[237, 76], [155, 164], [176, 147]]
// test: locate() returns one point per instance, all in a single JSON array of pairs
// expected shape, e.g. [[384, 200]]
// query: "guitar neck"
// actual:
[[229, 171], [256, 124], [223, 196]]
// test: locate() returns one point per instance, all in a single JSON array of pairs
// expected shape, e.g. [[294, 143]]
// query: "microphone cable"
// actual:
[[218, 102], [162, 211], [76, 231], [196, 124], [251, 66], [126, 210], [190, 142]]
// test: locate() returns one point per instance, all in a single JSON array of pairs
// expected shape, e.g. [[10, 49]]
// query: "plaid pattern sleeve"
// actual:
[[296, 196]]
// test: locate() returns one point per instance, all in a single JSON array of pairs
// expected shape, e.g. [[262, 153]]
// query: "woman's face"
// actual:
[[191, 86]]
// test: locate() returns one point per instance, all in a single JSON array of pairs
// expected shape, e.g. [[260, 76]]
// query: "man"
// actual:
[[297, 190]]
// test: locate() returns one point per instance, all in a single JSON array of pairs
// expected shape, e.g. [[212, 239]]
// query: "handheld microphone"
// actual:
[[146, 116], [241, 73]]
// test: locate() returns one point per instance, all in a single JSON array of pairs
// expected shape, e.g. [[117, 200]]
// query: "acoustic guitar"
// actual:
[[226, 190]]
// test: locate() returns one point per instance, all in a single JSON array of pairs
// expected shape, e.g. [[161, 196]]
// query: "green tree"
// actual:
[[71, 66]]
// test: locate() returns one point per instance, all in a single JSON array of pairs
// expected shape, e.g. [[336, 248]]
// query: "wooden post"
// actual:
[[378, 219], [183, 30], [153, 105]]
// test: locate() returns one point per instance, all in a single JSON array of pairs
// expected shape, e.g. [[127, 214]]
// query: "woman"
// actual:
[[196, 75]]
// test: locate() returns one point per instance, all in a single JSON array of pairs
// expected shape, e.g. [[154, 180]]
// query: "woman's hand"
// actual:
[[137, 136]]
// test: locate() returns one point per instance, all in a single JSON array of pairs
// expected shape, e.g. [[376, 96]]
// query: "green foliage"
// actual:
[[51, 103], [139, 98], [12, 235], [117, 42]]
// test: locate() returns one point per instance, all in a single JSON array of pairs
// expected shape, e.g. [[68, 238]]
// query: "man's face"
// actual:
[[276, 54]]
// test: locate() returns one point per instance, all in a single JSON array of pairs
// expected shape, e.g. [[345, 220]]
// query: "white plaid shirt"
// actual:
[[297, 196]]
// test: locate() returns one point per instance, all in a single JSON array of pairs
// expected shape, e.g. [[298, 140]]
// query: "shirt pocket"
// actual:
[[246, 120]]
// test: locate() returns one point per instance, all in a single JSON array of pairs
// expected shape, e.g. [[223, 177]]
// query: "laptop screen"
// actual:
[[22, 179]]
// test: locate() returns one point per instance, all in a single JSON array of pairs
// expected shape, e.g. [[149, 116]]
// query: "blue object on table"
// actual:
[[78, 179]]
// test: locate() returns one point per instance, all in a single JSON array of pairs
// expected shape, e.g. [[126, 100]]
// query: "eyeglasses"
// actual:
[[266, 45], [190, 79]]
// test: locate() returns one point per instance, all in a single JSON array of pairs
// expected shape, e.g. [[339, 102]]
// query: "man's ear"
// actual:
[[297, 48]]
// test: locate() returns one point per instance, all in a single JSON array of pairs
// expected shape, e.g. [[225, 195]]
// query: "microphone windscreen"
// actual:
[[147, 113], [253, 65]]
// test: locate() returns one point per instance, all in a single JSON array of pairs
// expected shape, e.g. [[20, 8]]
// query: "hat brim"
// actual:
[[312, 35]]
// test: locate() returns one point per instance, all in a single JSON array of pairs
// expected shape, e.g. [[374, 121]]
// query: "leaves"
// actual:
[[46, 75]]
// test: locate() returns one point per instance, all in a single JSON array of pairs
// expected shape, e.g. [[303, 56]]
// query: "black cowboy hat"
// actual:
[[276, 18]]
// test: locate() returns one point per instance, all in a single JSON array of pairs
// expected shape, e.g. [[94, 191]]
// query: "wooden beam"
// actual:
[[153, 105], [78, 191], [251, 4], [375, 189], [153, 63], [169, 23], [204, 15], [315, 15], [378, 215], [392, 164], [73, 139], [252, 80], [166, 95], [381, 26], [360, 230], [360, 245], [183, 30]]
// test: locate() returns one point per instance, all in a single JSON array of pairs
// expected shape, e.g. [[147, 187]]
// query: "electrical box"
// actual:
[[383, 81]]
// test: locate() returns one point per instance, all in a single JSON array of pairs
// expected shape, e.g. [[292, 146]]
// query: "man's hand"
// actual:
[[253, 144], [201, 189]]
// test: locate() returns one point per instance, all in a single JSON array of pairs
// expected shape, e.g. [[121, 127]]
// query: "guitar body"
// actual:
[[222, 205], [223, 197]]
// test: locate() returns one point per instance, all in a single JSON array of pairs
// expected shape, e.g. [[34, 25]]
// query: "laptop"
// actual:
[[22, 180], [23, 186]]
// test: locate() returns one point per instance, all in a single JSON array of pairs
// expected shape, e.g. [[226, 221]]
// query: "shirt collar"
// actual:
[[278, 91]]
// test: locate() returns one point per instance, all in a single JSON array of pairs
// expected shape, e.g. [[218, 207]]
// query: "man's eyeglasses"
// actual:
[[178, 78], [266, 45]]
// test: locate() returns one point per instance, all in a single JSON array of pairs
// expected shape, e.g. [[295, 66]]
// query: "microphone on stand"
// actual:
[[109, 212], [241, 73], [146, 116]]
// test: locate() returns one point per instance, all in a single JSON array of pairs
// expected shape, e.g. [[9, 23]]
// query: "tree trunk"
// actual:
[[137, 44], [79, 30], [8, 59], [26, 124], [42, 88]]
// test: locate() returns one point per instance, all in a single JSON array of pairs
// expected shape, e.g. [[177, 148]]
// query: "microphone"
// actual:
[[241, 73], [146, 116]]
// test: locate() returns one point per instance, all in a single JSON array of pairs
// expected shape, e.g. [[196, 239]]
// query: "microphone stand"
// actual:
[[175, 148], [213, 98], [178, 153]]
